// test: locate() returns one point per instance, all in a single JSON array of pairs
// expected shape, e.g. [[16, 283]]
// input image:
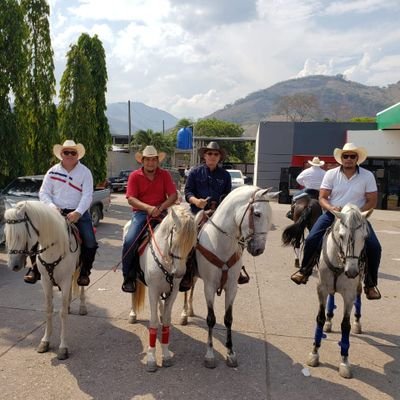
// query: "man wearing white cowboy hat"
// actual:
[[68, 186], [150, 191], [311, 179], [348, 183]]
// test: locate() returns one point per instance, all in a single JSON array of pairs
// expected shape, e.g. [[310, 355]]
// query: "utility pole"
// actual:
[[129, 126]]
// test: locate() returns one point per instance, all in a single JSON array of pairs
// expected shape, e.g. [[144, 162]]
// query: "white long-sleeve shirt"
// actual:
[[72, 190], [311, 178]]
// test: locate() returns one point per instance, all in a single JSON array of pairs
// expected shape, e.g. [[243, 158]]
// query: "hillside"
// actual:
[[142, 117], [339, 99]]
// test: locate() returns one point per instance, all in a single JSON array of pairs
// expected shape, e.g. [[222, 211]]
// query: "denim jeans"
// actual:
[[85, 228], [131, 241], [313, 245]]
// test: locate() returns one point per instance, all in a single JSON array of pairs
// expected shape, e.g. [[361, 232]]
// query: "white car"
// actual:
[[237, 177]]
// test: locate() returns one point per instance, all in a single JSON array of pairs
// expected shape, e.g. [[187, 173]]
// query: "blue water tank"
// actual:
[[184, 139]]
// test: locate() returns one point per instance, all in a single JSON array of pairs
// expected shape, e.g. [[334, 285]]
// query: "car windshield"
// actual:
[[24, 187], [235, 174]]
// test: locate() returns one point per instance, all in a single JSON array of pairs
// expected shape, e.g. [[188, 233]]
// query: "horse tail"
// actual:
[[140, 295], [294, 234]]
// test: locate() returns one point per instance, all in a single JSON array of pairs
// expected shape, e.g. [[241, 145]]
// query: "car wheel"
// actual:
[[96, 215]]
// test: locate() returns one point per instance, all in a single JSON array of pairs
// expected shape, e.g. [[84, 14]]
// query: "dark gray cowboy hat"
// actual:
[[212, 146]]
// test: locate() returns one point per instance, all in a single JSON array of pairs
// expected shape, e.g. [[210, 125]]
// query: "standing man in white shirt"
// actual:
[[68, 187]]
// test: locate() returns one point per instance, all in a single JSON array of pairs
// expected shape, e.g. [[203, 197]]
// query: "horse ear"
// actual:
[[367, 213], [269, 195], [199, 217], [337, 214], [175, 217]]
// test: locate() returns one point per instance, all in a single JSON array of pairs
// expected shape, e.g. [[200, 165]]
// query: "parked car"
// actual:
[[118, 183], [238, 179], [27, 188]]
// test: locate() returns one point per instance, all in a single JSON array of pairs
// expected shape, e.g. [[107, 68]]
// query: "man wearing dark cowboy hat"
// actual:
[[348, 183], [206, 186], [150, 191], [68, 186]]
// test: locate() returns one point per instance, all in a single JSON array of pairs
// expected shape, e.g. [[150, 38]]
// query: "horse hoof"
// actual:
[[151, 366], [357, 328], [43, 347], [82, 310], [345, 371], [313, 360], [132, 319], [328, 327], [62, 353], [184, 320], [167, 362], [231, 360], [210, 362]]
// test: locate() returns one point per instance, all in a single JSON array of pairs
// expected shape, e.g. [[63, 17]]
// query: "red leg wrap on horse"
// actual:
[[153, 336], [165, 335]]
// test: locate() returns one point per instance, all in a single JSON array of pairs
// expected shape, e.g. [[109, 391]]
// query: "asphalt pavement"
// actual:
[[273, 330]]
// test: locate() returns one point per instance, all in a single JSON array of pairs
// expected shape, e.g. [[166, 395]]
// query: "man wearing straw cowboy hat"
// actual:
[[348, 183], [310, 179], [150, 191], [68, 186]]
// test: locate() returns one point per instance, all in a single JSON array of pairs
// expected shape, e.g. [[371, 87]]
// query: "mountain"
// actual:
[[142, 117], [338, 99]]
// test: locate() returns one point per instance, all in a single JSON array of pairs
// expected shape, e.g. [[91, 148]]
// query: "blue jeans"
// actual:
[[313, 245], [131, 242], [85, 228]]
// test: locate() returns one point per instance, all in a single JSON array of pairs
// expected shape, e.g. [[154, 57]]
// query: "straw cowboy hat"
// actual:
[[316, 162], [212, 146], [350, 148], [71, 145], [149, 151]]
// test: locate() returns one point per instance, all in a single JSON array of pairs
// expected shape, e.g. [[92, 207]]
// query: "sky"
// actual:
[[193, 57]]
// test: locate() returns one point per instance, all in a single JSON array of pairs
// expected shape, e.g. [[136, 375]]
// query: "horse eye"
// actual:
[[257, 214]]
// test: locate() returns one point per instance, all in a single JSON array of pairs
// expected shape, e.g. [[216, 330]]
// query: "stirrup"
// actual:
[[299, 278]]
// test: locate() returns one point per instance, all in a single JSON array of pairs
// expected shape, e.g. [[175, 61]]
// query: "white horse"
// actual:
[[163, 263], [340, 271], [242, 220], [31, 223]]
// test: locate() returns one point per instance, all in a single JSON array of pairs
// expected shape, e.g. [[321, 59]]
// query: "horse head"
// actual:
[[21, 236], [349, 233], [256, 220]]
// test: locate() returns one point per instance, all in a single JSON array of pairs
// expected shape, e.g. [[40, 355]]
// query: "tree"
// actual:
[[35, 109], [161, 142], [12, 69], [299, 107], [94, 51]]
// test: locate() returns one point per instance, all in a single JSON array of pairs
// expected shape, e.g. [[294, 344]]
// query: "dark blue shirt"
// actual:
[[202, 183]]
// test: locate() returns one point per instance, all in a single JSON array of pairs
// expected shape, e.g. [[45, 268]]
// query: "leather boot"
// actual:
[[243, 277], [129, 283], [187, 280], [87, 258], [372, 293], [33, 274]]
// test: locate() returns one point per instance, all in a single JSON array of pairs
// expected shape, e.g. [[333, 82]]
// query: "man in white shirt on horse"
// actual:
[[68, 187], [348, 183]]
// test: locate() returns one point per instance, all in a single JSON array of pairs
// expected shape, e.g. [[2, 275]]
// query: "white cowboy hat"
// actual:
[[149, 151], [212, 146], [316, 162], [69, 144], [350, 148]]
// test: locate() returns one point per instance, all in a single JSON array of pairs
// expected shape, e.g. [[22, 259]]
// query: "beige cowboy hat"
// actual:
[[149, 151], [71, 145], [350, 148], [316, 162], [212, 146]]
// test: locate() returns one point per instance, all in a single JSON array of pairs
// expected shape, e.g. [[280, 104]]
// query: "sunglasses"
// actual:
[[212, 153], [351, 156], [70, 152]]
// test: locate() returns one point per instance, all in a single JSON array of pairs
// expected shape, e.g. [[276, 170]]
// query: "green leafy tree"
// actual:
[[161, 142], [12, 69], [94, 51], [35, 108]]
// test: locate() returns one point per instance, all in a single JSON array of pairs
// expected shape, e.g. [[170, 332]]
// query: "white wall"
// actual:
[[378, 143]]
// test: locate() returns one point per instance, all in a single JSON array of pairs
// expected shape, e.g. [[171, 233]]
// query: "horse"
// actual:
[[163, 265], [306, 211], [242, 220], [340, 271], [34, 225]]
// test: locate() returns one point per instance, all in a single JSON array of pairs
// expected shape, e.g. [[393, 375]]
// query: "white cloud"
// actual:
[[359, 6]]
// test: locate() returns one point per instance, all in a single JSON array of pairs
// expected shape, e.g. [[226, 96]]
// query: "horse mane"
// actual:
[[185, 237], [47, 220]]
